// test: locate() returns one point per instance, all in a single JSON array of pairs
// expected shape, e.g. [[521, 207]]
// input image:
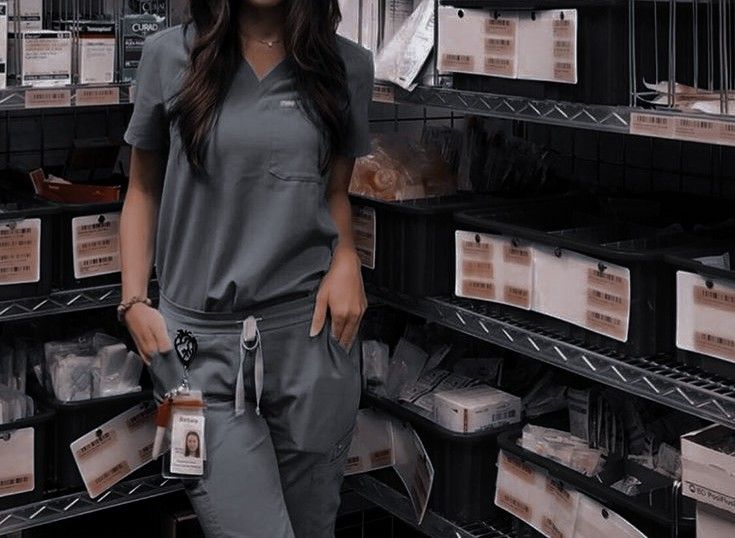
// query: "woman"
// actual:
[[191, 445], [245, 129]]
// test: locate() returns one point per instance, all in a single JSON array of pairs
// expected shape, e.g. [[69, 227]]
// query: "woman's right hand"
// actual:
[[148, 329]]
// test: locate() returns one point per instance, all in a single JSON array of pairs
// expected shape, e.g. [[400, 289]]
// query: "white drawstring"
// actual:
[[249, 340]]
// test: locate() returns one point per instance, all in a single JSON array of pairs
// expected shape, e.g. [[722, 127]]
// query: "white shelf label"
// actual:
[[20, 251], [17, 462], [363, 230], [98, 96], [96, 244], [48, 98], [651, 125], [384, 93]]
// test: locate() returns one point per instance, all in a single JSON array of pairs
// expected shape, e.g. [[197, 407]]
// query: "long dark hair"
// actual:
[[309, 38]]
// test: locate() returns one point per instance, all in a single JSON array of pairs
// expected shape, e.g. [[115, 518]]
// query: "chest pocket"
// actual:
[[296, 145]]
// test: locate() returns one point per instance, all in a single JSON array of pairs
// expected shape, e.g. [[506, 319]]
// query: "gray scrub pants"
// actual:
[[278, 474]]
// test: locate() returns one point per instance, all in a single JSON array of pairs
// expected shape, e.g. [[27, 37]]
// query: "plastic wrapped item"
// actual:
[[95, 365], [405, 367], [375, 366], [401, 59], [562, 447], [14, 405], [399, 169]]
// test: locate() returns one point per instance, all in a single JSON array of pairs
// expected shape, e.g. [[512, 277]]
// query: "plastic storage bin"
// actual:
[[654, 510], [411, 241], [41, 424], [97, 250], [705, 307], [74, 419], [30, 226], [602, 54], [464, 464], [595, 281]]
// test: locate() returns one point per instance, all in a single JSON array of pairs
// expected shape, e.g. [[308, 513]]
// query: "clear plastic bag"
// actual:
[[399, 169]]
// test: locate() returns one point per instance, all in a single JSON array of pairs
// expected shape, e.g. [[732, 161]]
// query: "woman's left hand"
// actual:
[[342, 292]]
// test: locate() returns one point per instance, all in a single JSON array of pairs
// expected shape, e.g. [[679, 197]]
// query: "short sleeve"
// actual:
[[148, 127], [357, 140]]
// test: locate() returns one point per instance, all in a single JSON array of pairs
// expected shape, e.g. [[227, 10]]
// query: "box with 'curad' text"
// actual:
[[708, 466]]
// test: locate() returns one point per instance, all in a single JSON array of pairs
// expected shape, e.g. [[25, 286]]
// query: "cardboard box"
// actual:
[[708, 474], [96, 50], [135, 29], [46, 58], [713, 522], [30, 17], [476, 408]]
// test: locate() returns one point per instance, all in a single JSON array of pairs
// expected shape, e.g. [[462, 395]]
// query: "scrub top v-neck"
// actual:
[[256, 228]]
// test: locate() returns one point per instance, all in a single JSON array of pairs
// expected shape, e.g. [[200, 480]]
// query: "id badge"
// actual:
[[187, 450]]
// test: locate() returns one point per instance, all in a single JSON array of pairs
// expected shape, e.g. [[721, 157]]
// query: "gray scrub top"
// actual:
[[256, 228]]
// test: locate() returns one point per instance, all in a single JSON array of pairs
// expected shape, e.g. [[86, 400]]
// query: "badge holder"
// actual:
[[181, 415]]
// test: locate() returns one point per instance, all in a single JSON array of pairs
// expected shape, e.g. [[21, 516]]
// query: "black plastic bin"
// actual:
[[68, 212], [74, 419], [464, 464], [13, 210], [413, 240], [654, 511], [716, 348], [602, 54], [563, 229], [42, 423]]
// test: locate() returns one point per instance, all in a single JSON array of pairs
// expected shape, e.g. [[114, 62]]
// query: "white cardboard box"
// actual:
[[46, 58], [708, 475], [714, 523], [31, 15], [476, 408]]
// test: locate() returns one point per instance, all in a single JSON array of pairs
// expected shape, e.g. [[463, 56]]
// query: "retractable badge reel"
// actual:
[[181, 413]]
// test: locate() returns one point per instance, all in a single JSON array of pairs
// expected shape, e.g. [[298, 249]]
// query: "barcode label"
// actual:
[[499, 45], [607, 280], [108, 478], [473, 268], [606, 324], [457, 62], [517, 255], [715, 298], [364, 233], [720, 346], [564, 50], [565, 72], [514, 505], [500, 27], [105, 439], [503, 416], [517, 296], [651, 125], [475, 289], [20, 244], [18, 462], [97, 96], [499, 66], [563, 28], [381, 458], [96, 244], [47, 98], [607, 300], [384, 93], [550, 529], [727, 133], [696, 130], [481, 250]]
